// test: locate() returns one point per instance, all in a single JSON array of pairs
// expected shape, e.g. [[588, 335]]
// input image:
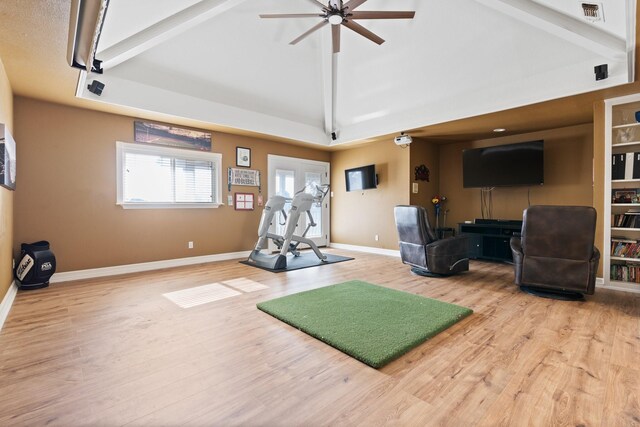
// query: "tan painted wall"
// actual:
[[67, 193], [568, 163], [6, 196], [356, 217], [428, 153]]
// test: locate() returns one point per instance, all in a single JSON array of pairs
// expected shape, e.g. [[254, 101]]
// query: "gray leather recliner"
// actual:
[[420, 248], [555, 255]]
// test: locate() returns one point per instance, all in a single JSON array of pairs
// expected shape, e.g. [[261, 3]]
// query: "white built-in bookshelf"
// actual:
[[621, 251]]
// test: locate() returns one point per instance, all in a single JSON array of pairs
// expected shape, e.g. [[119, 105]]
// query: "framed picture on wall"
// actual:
[[243, 157], [7, 160], [625, 195], [244, 201], [172, 136]]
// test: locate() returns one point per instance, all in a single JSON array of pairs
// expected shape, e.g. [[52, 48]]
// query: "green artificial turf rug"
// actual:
[[370, 323]]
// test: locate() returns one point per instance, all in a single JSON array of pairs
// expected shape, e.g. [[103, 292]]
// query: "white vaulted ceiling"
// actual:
[[453, 60], [217, 62]]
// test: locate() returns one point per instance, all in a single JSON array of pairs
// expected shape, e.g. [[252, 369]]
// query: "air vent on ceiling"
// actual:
[[592, 11]]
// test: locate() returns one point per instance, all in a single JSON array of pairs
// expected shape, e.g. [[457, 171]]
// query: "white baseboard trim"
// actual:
[[620, 288], [92, 273], [7, 302], [367, 249], [600, 284]]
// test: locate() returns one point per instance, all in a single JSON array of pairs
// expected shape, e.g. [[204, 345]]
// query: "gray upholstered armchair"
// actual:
[[555, 257], [422, 251]]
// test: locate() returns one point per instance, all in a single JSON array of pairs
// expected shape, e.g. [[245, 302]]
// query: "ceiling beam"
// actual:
[[329, 82], [334, 91], [631, 39], [163, 30], [167, 105], [561, 25], [82, 83]]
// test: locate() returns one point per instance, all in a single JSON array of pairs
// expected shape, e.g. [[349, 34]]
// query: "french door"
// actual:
[[287, 176]]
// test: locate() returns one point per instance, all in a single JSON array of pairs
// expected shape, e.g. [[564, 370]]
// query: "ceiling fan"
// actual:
[[337, 14]]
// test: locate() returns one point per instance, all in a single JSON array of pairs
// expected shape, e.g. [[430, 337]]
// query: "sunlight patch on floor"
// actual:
[[245, 285], [191, 297]]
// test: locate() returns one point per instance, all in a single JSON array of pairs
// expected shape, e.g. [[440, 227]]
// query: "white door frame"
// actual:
[[295, 163]]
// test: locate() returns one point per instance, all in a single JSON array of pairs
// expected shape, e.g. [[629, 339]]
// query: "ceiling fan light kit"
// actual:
[[338, 13], [335, 19]]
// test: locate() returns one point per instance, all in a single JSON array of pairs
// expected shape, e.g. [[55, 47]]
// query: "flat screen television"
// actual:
[[504, 165], [362, 178]]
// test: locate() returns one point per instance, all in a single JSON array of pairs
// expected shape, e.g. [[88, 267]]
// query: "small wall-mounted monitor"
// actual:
[[362, 178]]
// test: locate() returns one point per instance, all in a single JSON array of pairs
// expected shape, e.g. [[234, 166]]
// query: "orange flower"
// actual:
[[437, 199]]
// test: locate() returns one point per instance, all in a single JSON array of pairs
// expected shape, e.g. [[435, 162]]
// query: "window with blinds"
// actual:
[[160, 177]]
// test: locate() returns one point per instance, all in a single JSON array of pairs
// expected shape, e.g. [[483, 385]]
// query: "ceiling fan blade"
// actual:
[[381, 15], [352, 4], [317, 3], [362, 31], [291, 15], [335, 38], [314, 28]]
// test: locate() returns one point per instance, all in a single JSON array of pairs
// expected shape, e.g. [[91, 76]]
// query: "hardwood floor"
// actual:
[[114, 351]]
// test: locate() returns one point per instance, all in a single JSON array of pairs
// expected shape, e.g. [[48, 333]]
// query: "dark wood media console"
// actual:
[[489, 238]]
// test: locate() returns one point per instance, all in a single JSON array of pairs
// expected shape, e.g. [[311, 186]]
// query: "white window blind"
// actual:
[[152, 176]]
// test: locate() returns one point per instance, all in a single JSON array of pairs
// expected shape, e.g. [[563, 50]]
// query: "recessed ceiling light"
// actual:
[[499, 130]]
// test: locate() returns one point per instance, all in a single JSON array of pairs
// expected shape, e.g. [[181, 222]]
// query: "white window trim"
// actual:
[[216, 158]]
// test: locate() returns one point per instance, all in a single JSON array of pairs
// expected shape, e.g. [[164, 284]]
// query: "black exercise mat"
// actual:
[[303, 261]]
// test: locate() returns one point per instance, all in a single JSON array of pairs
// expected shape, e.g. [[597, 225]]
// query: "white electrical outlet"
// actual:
[[377, 237], [332, 194], [190, 245], [415, 188]]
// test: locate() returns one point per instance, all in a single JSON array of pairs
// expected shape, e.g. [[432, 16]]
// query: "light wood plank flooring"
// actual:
[[113, 351]]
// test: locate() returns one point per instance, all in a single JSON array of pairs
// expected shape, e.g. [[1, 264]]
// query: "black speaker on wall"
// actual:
[[602, 71], [96, 87]]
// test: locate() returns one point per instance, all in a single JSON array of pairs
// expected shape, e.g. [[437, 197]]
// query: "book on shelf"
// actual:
[[617, 166], [632, 166], [625, 166], [625, 272], [628, 166], [626, 220], [622, 239], [625, 248], [635, 169]]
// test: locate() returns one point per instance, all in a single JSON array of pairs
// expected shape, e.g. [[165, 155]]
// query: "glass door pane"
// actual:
[[285, 187], [311, 179]]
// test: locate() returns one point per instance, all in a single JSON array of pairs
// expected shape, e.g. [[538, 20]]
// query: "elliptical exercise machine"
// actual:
[[289, 242]]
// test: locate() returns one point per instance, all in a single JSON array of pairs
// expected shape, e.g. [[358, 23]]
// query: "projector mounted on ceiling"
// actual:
[[403, 139], [337, 14]]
